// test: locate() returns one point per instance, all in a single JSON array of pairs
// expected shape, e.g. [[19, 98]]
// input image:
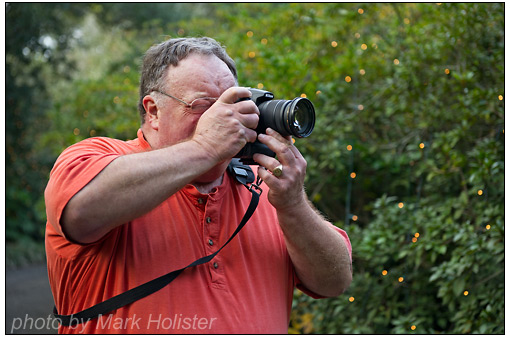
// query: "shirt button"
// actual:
[[200, 200], [211, 242], [208, 219], [215, 265]]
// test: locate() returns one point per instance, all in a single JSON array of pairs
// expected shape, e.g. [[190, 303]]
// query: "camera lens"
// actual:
[[301, 117], [288, 117]]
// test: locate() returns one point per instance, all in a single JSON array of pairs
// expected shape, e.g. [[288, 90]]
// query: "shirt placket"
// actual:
[[212, 228]]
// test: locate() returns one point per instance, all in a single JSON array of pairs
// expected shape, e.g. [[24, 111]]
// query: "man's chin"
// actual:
[[212, 175]]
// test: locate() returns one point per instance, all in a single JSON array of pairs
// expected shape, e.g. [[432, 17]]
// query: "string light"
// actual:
[[249, 34], [422, 145], [407, 21], [360, 10], [500, 97], [396, 61], [251, 54], [488, 227], [466, 293], [318, 92], [348, 79], [263, 41], [447, 71], [384, 272], [360, 107], [400, 279], [357, 35], [413, 327], [401, 205], [334, 44], [349, 147], [416, 235], [260, 85], [480, 192], [414, 240], [353, 175], [303, 95], [364, 46], [362, 71], [354, 218], [76, 131], [351, 299]]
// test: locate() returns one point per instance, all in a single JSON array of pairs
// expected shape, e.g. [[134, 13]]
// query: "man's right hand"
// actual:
[[228, 125]]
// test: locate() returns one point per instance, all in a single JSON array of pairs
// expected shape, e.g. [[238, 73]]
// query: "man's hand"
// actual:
[[228, 125], [286, 191], [318, 252]]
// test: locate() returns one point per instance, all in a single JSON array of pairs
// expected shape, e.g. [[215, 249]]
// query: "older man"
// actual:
[[121, 213]]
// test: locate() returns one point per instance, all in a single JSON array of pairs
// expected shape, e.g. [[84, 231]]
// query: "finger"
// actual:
[[249, 120], [234, 94], [289, 140], [249, 134], [283, 149], [267, 177], [266, 161], [278, 136]]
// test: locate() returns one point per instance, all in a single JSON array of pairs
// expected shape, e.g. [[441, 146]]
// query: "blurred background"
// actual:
[[407, 155]]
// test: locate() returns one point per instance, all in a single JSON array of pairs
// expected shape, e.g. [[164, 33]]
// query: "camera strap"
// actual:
[[244, 175]]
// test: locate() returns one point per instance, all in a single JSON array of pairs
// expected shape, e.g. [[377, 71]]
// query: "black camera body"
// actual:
[[288, 117]]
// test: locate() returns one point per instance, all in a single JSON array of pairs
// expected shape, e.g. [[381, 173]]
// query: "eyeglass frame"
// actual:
[[189, 105]]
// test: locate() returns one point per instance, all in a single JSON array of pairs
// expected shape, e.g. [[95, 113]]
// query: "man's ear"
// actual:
[[152, 110]]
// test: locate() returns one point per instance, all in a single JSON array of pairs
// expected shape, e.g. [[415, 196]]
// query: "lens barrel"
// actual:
[[288, 117]]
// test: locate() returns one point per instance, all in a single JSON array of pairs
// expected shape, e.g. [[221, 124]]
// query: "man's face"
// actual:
[[195, 77]]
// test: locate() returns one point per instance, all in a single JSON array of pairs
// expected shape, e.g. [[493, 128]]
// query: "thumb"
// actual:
[[234, 94]]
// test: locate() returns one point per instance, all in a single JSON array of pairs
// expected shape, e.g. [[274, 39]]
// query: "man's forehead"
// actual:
[[198, 68]]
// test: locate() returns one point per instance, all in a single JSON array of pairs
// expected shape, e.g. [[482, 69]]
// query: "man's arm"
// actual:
[[319, 253], [132, 185]]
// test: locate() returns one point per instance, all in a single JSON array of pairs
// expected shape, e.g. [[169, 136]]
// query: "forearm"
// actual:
[[319, 253], [129, 187]]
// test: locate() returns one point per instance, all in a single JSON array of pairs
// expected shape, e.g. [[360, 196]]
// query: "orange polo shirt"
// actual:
[[247, 288]]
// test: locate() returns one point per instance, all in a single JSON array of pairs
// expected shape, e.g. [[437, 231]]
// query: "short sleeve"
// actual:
[[72, 171]]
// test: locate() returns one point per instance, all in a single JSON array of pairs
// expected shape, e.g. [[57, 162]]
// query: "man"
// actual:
[[123, 213]]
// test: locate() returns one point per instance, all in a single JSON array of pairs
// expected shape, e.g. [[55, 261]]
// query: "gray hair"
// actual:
[[170, 52]]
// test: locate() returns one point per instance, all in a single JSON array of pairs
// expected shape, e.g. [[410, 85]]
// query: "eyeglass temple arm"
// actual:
[[173, 97]]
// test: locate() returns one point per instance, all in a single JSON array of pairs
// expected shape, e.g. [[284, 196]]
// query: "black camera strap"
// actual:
[[244, 175]]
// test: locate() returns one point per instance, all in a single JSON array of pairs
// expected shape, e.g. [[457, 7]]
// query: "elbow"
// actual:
[[335, 286], [342, 282], [77, 226], [340, 286], [345, 283]]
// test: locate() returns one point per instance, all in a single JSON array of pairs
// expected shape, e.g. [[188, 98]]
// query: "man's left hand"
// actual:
[[287, 190]]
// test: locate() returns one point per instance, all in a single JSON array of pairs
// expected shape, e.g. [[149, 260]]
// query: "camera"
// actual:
[[288, 117]]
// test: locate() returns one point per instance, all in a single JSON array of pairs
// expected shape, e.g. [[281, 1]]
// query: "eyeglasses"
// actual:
[[199, 105]]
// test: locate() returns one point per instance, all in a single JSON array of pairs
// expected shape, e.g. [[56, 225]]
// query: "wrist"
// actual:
[[203, 152], [295, 205]]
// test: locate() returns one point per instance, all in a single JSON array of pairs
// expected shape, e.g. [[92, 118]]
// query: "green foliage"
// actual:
[[32, 59], [409, 97]]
